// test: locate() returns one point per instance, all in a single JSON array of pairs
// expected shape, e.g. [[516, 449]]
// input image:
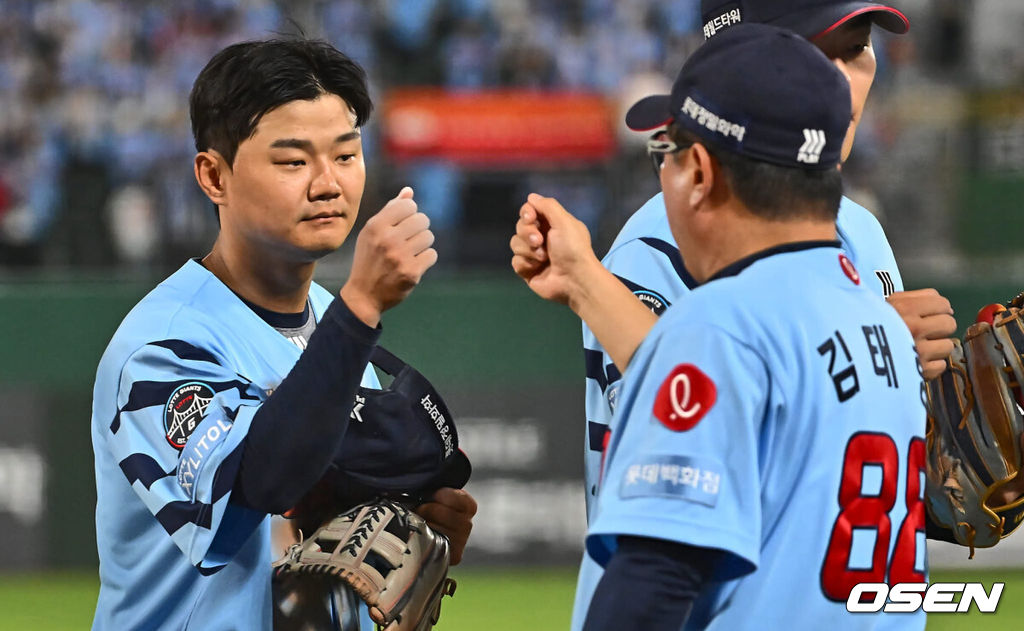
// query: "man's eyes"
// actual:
[[298, 162]]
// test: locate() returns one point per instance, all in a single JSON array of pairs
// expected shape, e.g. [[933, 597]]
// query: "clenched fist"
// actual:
[[393, 251], [929, 317]]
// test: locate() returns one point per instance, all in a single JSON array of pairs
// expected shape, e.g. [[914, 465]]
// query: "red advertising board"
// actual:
[[498, 128]]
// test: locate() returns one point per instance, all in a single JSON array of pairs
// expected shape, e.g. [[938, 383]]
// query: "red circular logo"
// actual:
[[684, 398], [849, 269]]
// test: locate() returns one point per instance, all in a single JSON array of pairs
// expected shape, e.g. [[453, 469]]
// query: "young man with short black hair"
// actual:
[[225, 394]]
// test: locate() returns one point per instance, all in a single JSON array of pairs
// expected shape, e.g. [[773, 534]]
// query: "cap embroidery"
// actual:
[[722, 21], [814, 143], [712, 121]]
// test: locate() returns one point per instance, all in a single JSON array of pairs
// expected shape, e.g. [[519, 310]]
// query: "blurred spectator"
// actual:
[[94, 125]]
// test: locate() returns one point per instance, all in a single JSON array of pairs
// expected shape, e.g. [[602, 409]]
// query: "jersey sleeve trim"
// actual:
[[594, 363], [144, 394], [184, 350], [676, 259], [140, 467]]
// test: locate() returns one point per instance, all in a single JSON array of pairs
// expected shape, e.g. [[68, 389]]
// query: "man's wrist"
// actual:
[[588, 287], [361, 305]]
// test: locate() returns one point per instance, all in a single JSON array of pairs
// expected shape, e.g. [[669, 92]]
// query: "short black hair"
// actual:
[[771, 191], [246, 80]]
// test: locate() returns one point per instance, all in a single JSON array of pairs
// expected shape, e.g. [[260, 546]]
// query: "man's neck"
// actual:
[[260, 277], [750, 235]]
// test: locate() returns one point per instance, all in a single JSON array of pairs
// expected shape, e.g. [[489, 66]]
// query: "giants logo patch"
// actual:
[[684, 398], [184, 411], [652, 301]]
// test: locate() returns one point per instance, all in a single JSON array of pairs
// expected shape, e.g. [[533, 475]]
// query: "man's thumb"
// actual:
[[549, 208], [405, 193]]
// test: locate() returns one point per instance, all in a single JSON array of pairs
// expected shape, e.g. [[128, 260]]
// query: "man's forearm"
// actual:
[[617, 319]]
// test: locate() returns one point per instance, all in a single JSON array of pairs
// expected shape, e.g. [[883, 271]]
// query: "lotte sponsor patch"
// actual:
[[684, 398], [848, 269]]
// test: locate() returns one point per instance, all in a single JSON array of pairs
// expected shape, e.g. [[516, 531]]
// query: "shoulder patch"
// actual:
[[652, 301], [849, 269], [697, 479], [684, 398], [184, 411]]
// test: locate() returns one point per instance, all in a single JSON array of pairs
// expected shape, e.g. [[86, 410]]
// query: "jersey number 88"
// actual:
[[859, 511]]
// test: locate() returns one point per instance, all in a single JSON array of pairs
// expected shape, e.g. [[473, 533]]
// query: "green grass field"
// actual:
[[497, 600]]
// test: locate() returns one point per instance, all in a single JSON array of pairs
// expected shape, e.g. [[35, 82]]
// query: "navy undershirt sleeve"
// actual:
[[296, 432], [649, 584]]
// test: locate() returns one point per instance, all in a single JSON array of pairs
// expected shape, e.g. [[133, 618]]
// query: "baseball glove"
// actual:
[[387, 555], [974, 431]]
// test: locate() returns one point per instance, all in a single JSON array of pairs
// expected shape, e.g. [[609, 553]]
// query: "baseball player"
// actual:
[[775, 414], [225, 394], [645, 259]]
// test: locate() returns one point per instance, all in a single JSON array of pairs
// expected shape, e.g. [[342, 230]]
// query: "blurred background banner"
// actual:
[[478, 103], [498, 128]]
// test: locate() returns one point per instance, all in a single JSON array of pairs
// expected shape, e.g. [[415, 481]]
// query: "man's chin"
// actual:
[[313, 251], [316, 253], [321, 245]]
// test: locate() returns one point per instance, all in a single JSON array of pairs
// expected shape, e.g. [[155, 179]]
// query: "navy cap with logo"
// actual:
[[809, 18], [759, 91], [401, 440]]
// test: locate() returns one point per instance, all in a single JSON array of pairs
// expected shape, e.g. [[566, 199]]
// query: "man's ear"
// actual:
[[704, 174], [211, 170]]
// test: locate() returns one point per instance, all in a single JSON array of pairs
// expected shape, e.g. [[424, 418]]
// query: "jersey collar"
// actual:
[[275, 319], [736, 267]]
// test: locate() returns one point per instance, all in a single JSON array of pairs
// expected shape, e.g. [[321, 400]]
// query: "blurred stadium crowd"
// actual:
[[95, 146]]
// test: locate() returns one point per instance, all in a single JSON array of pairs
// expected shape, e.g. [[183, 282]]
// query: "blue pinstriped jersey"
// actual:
[[645, 257], [776, 415], [175, 393]]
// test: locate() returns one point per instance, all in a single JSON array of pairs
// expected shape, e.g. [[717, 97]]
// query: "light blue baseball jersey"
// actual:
[[175, 393], [645, 257], [775, 414]]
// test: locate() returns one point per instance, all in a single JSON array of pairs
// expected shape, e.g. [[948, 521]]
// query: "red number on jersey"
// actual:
[[871, 512]]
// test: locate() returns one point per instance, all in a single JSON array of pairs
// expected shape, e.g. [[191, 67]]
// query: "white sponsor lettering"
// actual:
[[712, 121], [196, 451], [440, 422], [22, 483], [814, 143], [707, 481], [937, 598], [719, 22]]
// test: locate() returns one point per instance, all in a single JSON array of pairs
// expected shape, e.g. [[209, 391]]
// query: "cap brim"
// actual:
[[455, 473], [888, 18], [812, 25], [650, 112]]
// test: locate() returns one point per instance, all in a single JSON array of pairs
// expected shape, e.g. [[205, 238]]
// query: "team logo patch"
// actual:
[[184, 411], [849, 269], [684, 398], [652, 301], [613, 396]]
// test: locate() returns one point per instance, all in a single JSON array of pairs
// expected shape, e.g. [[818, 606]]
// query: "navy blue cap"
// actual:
[[759, 91], [809, 18], [401, 441]]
